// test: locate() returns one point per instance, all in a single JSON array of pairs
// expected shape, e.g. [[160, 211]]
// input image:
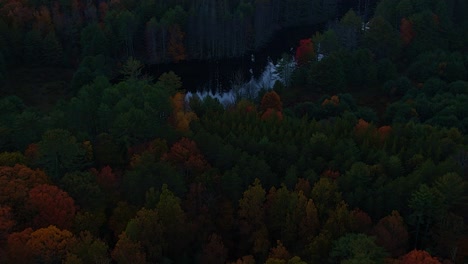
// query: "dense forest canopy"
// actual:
[[357, 154], [158, 31]]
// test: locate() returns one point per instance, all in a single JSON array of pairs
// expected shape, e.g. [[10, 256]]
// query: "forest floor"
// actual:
[[38, 87]]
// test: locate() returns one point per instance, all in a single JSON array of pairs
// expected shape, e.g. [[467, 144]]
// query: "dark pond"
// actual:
[[218, 75]]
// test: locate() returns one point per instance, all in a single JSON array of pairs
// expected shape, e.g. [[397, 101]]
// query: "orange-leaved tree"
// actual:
[[279, 252], [271, 106], [50, 244], [181, 118], [128, 251], [15, 183], [334, 100], [214, 251], [418, 257]]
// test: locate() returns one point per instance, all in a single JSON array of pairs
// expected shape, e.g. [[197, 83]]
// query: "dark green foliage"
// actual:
[[19, 125], [90, 68], [32, 48], [386, 70], [360, 69], [327, 75], [83, 188], [427, 208], [382, 38], [147, 174], [356, 248], [52, 51], [93, 41], [327, 42], [132, 111], [3, 69], [448, 66], [398, 87], [59, 152]]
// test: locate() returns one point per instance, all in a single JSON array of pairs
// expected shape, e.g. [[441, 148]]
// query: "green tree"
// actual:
[[3, 69], [32, 47], [426, 204], [174, 224], [60, 152], [52, 51], [453, 189], [327, 42], [252, 219], [326, 197], [356, 248], [146, 228], [89, 249], [132, 68], [382, 39], [90, 68], [83, 187], [150, 173], [93, 41], [327, 75]]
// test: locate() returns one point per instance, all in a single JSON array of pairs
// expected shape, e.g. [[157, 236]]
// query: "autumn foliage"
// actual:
[[361, 127], [50, 244], [128, 251], [305, 53], [181, 118], [214, 251], [7, 222], [271, 106], [334, 100], [351, 149], [392, 234], [187, 155], [17, 249], [333, 174], [17, 181], [406, 31], [106, 178], [53, 206], [419, 257], [176, 43]]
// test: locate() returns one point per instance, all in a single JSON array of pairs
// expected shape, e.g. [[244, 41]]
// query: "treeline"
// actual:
[[152, 31]]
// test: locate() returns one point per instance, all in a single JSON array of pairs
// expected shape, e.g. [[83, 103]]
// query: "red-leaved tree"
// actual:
[[305, 52], [53, 206], [406, 31], [185, 153]]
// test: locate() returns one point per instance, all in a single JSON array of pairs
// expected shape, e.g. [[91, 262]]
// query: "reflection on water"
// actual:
[[249, 89]]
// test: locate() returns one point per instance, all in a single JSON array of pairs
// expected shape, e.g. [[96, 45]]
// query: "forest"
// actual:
[[359, 155]]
